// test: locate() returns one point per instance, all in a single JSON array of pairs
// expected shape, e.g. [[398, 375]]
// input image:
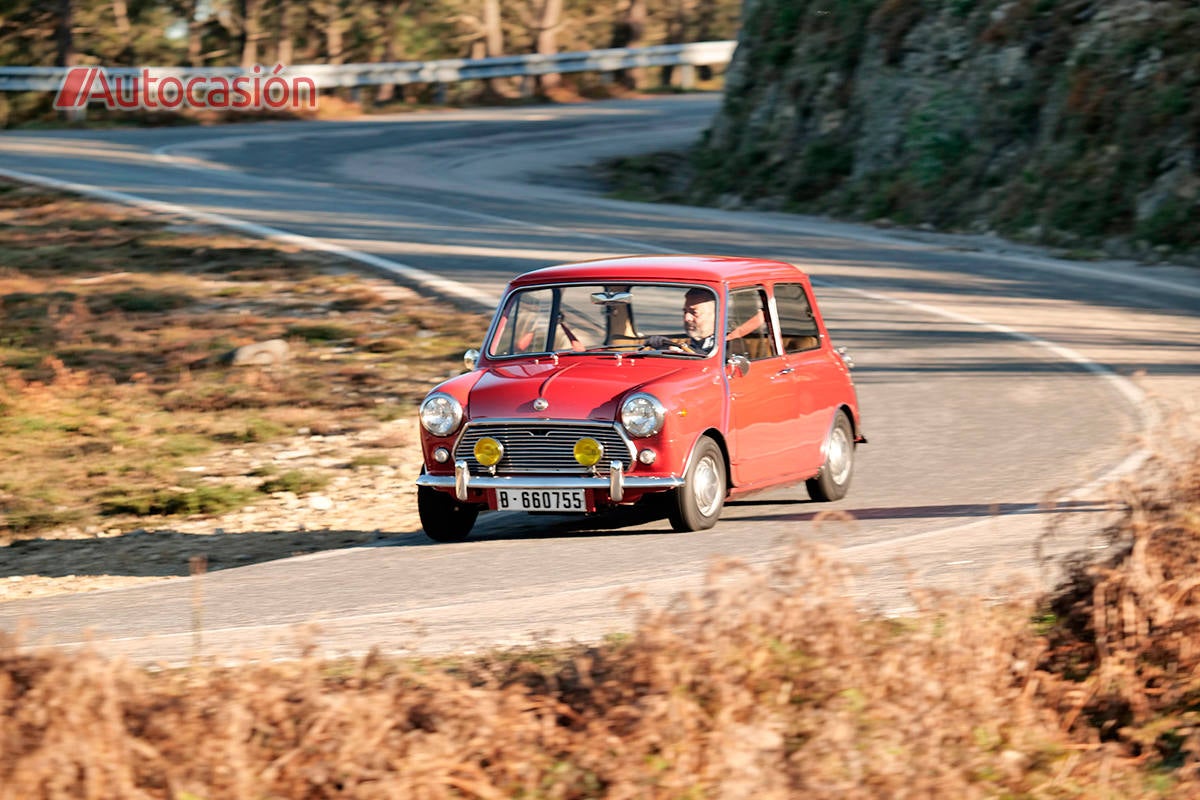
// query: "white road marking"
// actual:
[[434, 283]]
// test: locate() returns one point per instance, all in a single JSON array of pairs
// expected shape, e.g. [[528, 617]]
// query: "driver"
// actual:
[[699, 322]]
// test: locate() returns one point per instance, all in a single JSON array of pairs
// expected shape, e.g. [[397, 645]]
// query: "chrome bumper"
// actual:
[[616, 483]]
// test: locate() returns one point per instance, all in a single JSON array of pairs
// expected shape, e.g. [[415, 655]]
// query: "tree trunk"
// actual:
[[676, 34], [493, 34], [387, 91], [334, 21], [390, 13], [120, 11], [493, 45], [251, 32], [284, 48], [706, 25], [195, 35], [628, 32], [66, 41], [547, 40], [335, 52]]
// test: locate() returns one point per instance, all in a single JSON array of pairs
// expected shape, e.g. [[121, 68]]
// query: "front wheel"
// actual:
[[443, 517], [697, 504], [833, 481]]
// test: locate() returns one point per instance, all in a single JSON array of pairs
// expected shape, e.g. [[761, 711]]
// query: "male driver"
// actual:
[[699, 322]]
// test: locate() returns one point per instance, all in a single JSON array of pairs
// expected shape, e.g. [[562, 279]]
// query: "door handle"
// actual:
[[785, 371]]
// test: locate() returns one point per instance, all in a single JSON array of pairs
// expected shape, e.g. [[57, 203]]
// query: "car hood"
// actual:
[[576, 389]]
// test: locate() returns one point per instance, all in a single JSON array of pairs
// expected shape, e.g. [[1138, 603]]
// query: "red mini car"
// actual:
[[606, 381]]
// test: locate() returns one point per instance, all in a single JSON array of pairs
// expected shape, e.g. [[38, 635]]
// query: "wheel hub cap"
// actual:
[[708, 493], [839, 456]]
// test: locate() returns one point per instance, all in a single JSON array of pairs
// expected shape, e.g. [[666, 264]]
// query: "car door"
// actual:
[[761, 419], [812, 371]]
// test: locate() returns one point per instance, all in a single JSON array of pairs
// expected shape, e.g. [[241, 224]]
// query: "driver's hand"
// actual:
[[660, 342]]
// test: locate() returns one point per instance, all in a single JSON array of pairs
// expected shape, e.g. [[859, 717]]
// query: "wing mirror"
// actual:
[[738, 363], [471, 358]]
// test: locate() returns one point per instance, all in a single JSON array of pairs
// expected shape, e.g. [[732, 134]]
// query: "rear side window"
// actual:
[[796, 321]]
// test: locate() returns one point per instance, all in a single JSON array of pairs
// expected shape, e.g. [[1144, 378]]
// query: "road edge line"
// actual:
[[407, 273]]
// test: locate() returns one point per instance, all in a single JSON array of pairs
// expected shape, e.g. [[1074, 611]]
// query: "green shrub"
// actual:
[[142, 301], [323, 332], [295, 481], [1173, 224], [205, 499]]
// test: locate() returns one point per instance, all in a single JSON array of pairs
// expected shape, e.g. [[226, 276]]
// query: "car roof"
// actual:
[[683, 268]]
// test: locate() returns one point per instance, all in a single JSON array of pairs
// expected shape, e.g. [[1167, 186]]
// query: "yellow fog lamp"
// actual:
[[588, 451], [488, 451]]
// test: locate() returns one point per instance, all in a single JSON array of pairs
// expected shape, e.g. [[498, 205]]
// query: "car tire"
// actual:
[[833, 480], [698, 503], [443, 518]]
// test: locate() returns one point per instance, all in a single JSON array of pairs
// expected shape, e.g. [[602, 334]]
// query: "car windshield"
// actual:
[[658, 319]]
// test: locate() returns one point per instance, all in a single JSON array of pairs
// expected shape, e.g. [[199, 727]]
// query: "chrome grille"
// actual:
[[538, 447]]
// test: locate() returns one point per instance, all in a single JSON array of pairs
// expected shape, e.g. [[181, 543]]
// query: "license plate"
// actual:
[[540, 500]]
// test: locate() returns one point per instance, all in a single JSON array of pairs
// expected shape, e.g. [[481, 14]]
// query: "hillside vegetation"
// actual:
[[1064, 122]]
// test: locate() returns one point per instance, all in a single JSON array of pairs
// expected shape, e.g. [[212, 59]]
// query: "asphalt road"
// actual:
[[1000, 387]]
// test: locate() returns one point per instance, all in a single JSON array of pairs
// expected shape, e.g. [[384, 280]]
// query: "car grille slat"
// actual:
[[544, 447]]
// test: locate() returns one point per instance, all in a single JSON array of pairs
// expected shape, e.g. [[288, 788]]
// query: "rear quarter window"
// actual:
[[797, 323]]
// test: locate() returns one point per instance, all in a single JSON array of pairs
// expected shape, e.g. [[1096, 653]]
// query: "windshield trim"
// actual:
[[599, 281]]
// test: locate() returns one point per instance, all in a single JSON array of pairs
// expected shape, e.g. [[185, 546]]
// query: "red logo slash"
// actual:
[[76, 87]]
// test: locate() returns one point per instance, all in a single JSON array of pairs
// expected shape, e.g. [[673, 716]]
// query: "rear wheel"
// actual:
[[833, 480], [443, 517], [697, 504]]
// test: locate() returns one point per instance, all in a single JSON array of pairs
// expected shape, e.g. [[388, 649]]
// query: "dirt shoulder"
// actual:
[[131, 443]]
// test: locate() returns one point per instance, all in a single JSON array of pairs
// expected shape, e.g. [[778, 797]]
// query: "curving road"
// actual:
[[1000, 387]]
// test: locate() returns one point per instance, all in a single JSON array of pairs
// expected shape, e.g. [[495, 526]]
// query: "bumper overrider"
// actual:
[[462, 482]]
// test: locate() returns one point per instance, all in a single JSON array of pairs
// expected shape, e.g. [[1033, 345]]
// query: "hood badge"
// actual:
[[541, 404]]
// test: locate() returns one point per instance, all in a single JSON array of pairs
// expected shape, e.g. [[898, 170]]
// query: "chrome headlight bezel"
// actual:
[[441, 414], [643, 415]]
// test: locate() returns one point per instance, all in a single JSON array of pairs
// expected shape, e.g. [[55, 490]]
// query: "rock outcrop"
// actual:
[[1066, 122]]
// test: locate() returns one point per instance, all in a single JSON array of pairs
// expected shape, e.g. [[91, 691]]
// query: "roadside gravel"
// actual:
[[138, 404], [360, 505]]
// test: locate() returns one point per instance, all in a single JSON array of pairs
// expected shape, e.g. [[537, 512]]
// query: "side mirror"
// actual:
[[739, 363], [471, 358]]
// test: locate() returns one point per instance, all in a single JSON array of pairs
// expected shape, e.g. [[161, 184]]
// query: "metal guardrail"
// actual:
[[329, 76]]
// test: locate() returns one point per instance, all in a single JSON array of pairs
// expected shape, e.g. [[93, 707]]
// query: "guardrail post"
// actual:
[[687, 77]]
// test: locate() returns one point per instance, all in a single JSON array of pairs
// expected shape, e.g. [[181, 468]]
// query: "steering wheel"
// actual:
[[674, 348]]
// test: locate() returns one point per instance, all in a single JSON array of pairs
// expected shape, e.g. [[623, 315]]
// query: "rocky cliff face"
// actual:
[[1062, 121]]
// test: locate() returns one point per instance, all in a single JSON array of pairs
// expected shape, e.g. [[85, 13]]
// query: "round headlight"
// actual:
[[441, 414], [588, 451], [488, 451], [642, 414]]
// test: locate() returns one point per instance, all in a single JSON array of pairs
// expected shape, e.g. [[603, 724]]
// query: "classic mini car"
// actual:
[[604, 382]]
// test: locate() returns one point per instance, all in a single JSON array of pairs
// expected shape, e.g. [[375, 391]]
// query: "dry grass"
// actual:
[[767, 685], [112, 324]]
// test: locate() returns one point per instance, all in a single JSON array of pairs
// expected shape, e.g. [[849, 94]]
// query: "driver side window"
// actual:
[[749, 330]]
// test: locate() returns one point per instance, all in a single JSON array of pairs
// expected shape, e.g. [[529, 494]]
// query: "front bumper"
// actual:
[[462, 481]]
